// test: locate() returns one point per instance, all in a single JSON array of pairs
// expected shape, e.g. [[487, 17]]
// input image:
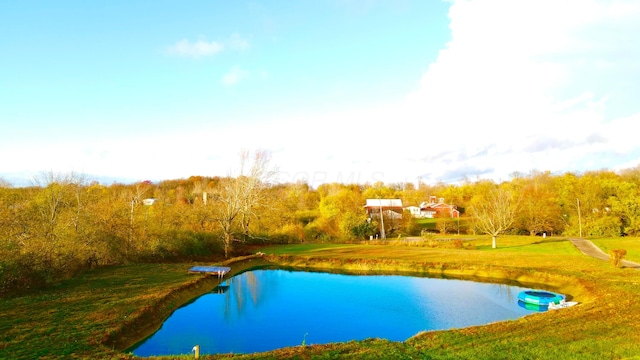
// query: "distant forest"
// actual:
[[64, 224]]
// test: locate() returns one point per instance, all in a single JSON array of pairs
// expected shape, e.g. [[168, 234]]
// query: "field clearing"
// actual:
[[103, 311], [513, 251]]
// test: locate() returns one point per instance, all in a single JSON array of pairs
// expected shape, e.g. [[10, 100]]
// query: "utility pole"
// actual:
[[579, 217], [382, 234]]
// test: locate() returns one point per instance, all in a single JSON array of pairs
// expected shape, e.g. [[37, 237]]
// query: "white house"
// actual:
[[414, 210]]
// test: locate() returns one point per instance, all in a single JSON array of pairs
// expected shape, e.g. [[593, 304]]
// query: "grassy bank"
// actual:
[[103, 311], [99, 313]]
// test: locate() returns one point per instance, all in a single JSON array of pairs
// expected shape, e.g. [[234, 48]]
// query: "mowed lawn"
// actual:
[[101, 312], [557, 254], [632, 245]]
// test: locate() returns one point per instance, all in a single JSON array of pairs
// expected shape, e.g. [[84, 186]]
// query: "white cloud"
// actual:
[[521, 85], [202, 48], [506, 94], [234, 76], [196, 49]]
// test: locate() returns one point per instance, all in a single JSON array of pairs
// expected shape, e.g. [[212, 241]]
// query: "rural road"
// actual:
[[590, 249]]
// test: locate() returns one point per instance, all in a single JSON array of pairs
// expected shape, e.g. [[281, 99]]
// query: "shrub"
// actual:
[[176, 245], [617, 255], [606, 226], [287, 234], [22, 275], [316, 231], [457, 244], [364, 230]]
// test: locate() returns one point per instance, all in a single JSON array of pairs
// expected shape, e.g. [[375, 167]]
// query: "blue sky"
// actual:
[[336, 90]]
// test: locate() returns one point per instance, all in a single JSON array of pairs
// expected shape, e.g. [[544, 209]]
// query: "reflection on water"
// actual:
[[263, 310]]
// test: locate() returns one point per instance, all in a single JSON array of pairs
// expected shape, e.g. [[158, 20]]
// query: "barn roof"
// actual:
[[384, 203]]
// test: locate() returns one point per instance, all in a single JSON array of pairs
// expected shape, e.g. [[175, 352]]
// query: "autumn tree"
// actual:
[[445, 224], [627, 202], [135, 200], [13, 225], [597, 189], [458, 195], [257, 180], [340, 212], [410, 195], [293, 207], [56, 211], [344, 211], [380, 191], [238, 199], [494, 212], [539, 211]]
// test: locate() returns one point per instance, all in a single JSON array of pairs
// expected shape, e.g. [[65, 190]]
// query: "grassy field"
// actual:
[[632, 245], [99, 313], [102, 312]]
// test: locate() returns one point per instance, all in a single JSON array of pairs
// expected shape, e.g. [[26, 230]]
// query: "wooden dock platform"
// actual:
[[220, 271]]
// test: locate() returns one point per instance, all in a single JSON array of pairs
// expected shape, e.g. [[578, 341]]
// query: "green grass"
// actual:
[[505, 244], [431, 224], [103, 311], [74, 317], [98, 313], [632, 245], [528, 244], [427, 223], [512, 251], [306, 249]]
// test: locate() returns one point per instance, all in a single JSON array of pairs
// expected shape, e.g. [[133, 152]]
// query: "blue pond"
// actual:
[[267, 309]]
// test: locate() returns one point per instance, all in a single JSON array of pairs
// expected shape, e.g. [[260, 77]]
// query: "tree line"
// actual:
[[65, 223]]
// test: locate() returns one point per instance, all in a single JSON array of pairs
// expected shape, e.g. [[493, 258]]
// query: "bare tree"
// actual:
[[135, 199], [57, 207], [238, 198], [53, 197], [495, 213]]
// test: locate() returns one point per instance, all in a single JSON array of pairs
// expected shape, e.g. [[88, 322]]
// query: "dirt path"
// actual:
[[590, 249]]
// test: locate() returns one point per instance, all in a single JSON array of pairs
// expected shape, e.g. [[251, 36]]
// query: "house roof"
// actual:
[[441, 205], [436, 205], [384, 203]]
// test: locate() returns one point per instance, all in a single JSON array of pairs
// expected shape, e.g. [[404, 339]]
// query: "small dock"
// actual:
[[220, 271]]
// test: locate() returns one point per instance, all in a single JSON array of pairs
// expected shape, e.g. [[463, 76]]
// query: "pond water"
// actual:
[[266, 309]]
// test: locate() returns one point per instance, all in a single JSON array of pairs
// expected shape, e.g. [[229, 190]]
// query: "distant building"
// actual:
[[414, 211], [436, 208], [391, 208]]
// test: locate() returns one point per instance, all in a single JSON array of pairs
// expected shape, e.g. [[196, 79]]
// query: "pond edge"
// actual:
[[152, 316]]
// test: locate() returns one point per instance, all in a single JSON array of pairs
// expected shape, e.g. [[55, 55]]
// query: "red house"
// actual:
[[438, 208]]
